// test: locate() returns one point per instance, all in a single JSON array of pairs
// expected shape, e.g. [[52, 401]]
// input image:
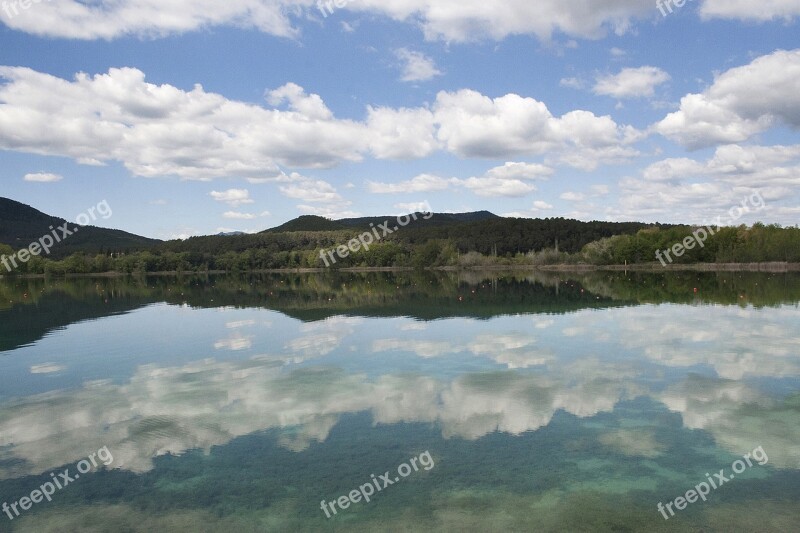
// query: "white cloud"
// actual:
[[509, 180], [416, 66], [232, 197], [309, 106], [165, 131], [234, 215], [521, 171], [497, 187], [572, 83], [162, 130], [742, 102], [697, 191], [631, 82], [401, 133], [413, 207], [746, 10], [106, 19], [571, 196], [470, 20], [448, 20], [474, 125], [421, 183], [43, 177], [312, 191]]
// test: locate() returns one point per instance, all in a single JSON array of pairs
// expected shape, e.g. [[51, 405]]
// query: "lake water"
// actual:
[[494, 402]]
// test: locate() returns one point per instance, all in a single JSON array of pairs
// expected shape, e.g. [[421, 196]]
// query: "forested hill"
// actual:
[[481, 232], [316, 223], [21, 225]]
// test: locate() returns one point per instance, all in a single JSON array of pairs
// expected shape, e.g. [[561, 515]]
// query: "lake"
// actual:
[[452, 402]]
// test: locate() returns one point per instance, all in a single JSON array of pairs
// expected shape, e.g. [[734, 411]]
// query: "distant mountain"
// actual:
[[21, 225], [230, 234], [315, 223]]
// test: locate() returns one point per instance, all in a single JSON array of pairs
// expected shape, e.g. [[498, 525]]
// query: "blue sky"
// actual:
[[192, 118]]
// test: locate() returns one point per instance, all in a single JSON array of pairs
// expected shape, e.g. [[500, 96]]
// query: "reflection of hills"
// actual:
[[28, 322], [429, 297], [34, 308], [29, 309]]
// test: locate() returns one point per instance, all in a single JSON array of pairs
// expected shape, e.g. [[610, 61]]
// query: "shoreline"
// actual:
[[578, 268]]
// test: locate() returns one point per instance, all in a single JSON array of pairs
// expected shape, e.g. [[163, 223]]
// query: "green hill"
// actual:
[[311, 223], [308, 223], [21, 225]]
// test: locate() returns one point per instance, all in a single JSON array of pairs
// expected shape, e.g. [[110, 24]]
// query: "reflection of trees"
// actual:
[[32, 307]]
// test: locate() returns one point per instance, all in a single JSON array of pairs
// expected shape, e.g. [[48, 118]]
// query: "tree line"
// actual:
[[485, 243]]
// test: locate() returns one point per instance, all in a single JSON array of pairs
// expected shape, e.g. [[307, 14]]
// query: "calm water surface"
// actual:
[[546, 402]]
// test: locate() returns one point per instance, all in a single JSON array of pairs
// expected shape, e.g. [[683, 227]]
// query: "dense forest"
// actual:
[[469, 240], [435, 248], [423, 243]]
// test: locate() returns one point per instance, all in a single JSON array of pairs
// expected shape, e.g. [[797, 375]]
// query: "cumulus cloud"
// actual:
[[165, 131], [401, 133], [571, 196], [509, 180], [696, 191], [521, 171], [161, 130], [43, 177], [572, 83], [745, 10], [105, 19], [421, 183], [448, 20], [232, 197], [741, 103], [470, 20], [413, 207], [475, 125], [313, 191], [631, 82], [416, 66], [235, 215]]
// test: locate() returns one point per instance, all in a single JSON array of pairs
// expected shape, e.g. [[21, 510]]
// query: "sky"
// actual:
[[192, 117]]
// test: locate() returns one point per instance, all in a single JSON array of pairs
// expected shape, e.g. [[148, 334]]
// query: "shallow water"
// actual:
[[546, 402]]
